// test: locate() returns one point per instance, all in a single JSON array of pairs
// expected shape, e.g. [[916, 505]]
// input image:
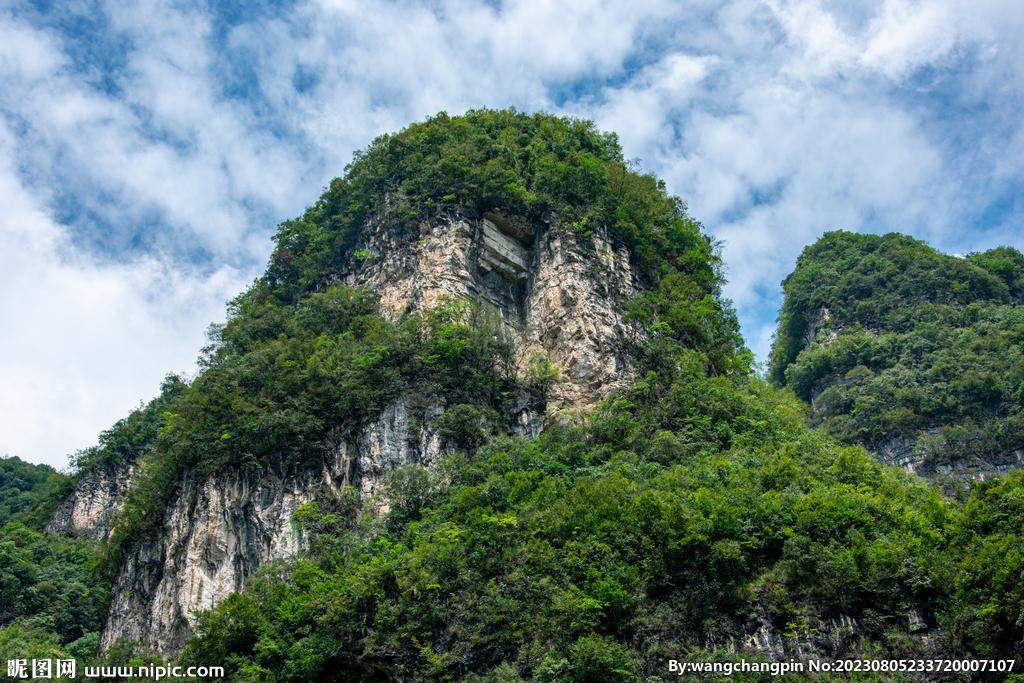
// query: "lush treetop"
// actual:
[[915, 344], [535, 165], [877, 282]]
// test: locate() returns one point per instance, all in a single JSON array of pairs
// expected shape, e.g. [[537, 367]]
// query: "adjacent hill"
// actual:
[[914, 354]]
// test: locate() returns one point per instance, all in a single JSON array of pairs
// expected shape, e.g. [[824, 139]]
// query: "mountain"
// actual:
[[913, 354], [465, 277], [487, 417]]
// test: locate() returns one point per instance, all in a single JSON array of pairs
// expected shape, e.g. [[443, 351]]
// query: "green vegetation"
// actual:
[[278, 378], [29, 493], [53, 596], [925, 345], [678, 514], [135, 435], [532, 165], [297, 358], [688, 509]]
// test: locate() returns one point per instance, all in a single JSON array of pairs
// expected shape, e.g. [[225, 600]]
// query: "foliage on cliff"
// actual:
[[278, 378], [673, 518], [298, 358], [907, 340], [534, 165], [689, 508], [683, 511], [133, 436]]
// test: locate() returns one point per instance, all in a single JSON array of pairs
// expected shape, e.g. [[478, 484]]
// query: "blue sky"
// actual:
[[148, 149]]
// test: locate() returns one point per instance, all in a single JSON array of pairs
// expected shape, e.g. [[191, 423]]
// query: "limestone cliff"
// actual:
[[561, 293], [564, 292], [89, 510], [219, 530]]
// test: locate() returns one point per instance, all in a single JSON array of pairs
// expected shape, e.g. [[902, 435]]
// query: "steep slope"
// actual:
[[467, 276], [914, 354]]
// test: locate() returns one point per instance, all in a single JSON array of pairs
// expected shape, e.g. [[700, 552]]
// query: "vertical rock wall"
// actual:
[[216, 532], [565, 292], [89, 510]]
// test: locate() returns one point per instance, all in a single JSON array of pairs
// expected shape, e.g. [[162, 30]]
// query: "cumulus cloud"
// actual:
[[87, 340], [820, 121], [146, 158]]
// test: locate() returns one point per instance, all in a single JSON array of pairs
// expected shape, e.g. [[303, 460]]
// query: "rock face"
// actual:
[[88, 511], [824, 639], [926, 457], [219, 530], [216, 532], [561, 294]]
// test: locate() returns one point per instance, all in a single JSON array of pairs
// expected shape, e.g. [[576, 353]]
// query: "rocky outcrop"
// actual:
[[823, 638], [819, 329], [564, 293], [219, 530], [927, 455], [89, 510], [216, 532]]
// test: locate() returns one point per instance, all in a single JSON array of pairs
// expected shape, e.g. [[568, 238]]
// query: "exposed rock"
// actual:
[[218, 531], [819, 329], [917, 456], [89, 510], [398, 437], [501, 253], [900, 451], [563, 292], [215, 533], [820, 638]]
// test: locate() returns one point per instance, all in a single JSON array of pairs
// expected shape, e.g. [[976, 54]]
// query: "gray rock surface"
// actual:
[[564, 293], [910, 454], [218, 531], [89, 510], [820, 638]]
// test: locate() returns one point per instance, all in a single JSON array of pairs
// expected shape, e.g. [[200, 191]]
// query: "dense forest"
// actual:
[[907, 342], [686, 511], [53, 595]]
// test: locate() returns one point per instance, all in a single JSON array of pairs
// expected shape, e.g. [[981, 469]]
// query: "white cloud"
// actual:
[[906, 35], [86, 341], [777, 120], [786, 136]]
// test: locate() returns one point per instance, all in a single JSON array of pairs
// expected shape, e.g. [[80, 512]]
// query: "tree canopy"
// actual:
[[908, 342]]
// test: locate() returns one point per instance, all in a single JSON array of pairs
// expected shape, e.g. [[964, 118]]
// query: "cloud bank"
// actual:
[[148, 149]]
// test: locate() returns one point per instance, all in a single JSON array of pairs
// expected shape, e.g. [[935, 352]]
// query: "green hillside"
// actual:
[[914, 344], [53, 596], [675, 516]]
